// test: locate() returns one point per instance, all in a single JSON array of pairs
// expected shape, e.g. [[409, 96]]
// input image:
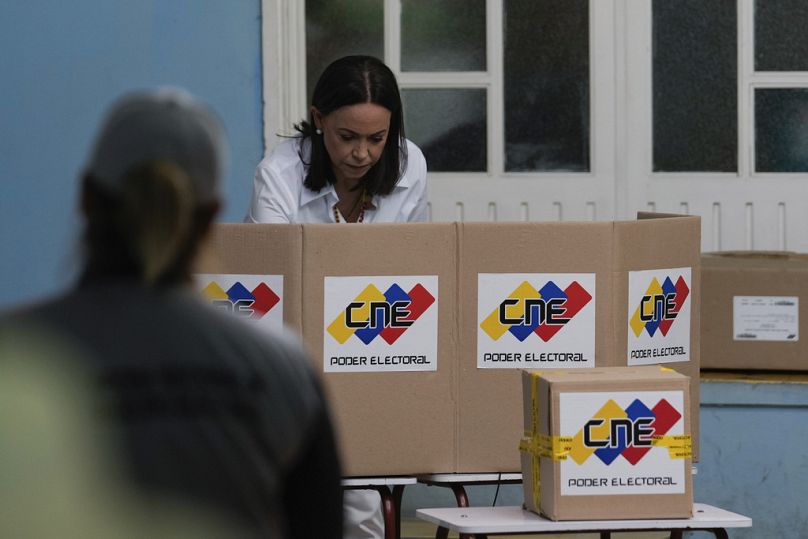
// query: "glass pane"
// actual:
[[780, 36], [449, 126], [781, 130], [337, 28], [546, 85], [443, 35], [695, 86]]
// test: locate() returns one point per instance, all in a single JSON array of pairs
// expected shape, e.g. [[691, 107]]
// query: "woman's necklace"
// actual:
[[361, 202]]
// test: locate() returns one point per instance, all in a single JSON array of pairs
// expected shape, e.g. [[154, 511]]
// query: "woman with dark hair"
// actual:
[[351, 162], [206, 408]]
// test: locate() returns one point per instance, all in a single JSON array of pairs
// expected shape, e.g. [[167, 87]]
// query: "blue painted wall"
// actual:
[[753, 455], [61, 64]]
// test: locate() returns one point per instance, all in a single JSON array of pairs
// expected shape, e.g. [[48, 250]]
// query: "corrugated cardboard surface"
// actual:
[[489, 404], [750, 273], [486, 400], [625, 506], [460, 418], [662, 241], [259, 250], [397, 422]]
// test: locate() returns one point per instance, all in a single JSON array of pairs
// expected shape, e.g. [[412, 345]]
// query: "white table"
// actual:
[[480, 521], [391, 499], [458, 481], [471, 478]]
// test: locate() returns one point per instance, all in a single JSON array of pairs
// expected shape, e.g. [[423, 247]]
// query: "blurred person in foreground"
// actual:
[[60, 475], [206, 409]]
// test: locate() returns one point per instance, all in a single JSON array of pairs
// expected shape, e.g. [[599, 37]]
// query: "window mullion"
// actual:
[[392, 35], [603, 125], [621, 145], [746, 69], [495, 43]]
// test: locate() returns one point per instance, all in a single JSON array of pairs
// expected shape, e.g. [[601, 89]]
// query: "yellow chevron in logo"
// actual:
[[342, 332], [636, 324], [492, 326]]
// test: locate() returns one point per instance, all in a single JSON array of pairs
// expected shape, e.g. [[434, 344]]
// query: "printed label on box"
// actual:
[[617, 446], [535, 320], [658, 316], [380, 324], [766, 318], [257, 298]]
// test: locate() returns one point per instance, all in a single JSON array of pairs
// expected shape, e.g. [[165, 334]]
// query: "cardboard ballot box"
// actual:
[[571, 295], [755, 304], [607, 443], [419, 331]]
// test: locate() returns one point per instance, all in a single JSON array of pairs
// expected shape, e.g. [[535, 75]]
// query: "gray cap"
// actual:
[[167, 124]]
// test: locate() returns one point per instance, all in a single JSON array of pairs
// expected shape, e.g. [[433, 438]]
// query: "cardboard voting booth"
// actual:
[[568, 295], [379, 304], [419, 331], [375, 306]]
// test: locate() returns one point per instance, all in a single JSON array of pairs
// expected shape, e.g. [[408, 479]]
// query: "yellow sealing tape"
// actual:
[[534, 460], [539, 446], [545, 446], [680, 446]]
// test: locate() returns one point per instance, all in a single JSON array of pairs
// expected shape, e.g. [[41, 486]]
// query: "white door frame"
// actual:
[[495, 195], [740, 211], [743, 210]]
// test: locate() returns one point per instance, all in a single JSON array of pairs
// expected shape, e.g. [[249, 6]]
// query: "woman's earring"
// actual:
[[318, 131]]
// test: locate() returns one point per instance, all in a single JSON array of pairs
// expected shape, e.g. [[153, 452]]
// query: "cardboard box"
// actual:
[[598, 272], [607, 443], [755, 304]]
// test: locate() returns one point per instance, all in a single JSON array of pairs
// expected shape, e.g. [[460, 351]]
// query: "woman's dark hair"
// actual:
[[352, 80]]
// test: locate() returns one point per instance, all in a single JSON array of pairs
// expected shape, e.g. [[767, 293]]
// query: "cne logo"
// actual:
[[241, 301], [529, 310], [659, 306], [615, 432], [375, 314]]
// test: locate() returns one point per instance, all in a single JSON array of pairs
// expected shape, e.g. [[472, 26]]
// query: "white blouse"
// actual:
[[279, 195]]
